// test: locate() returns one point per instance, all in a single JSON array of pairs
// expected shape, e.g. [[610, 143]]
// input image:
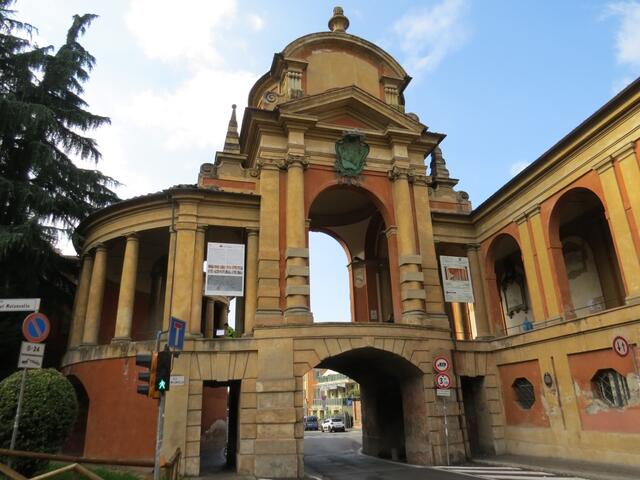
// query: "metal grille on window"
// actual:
[[611, 387], [525, 395]]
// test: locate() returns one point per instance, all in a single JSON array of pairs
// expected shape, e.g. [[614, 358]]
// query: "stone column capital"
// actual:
[[399, 173], [252, 231], [533, 211], [391, 231], [100, 247], [420, 179], [132, 236], [604, 165], [472, 247], [297, 161], [623, 152], [520, 219]]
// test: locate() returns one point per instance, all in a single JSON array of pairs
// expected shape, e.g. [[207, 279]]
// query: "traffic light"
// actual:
[[162, 380], [148, 379]]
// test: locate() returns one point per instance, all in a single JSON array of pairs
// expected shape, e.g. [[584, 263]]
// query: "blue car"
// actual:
[[311, 422]]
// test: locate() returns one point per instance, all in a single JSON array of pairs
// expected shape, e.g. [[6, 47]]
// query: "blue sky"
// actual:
[[504, 80]]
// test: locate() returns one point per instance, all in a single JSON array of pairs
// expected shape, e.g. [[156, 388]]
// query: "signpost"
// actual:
[[31, 355], [441, 365]]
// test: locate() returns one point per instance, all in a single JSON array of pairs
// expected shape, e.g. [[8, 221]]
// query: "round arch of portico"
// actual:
[[375, 188]]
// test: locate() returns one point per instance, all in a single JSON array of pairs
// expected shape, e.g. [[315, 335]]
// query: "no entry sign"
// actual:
[[36, 327]]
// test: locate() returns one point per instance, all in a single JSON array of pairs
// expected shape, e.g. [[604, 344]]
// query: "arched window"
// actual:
[[611, 387]]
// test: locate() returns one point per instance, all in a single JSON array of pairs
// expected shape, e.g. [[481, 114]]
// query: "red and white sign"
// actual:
[[621, 346], [443, 380], [441, 364], [36, 327]]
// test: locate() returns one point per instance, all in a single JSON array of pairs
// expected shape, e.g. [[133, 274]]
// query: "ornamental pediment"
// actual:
[[351, 107]]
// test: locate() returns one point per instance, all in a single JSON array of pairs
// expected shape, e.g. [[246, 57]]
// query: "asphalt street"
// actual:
[[336, 456]]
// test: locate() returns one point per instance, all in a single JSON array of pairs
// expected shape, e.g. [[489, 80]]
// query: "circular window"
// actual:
[[525, 395]]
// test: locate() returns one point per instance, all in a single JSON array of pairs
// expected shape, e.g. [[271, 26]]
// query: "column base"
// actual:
[[632, 300], [268, 317], [298, 316], [120, 340], [414, 317]]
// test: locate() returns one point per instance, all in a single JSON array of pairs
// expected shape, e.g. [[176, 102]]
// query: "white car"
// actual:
[[333, 425]]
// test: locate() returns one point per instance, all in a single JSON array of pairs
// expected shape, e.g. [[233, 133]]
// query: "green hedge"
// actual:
[[49, 411]]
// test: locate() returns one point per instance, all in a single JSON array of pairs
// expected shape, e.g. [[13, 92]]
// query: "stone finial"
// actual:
[[438, 165], [232, 142], [338, 23]]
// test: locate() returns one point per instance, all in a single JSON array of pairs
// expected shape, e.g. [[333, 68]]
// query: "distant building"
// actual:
[[530, 302], [334, 394]]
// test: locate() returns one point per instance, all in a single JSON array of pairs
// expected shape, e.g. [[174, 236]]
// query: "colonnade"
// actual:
[[183, 294]]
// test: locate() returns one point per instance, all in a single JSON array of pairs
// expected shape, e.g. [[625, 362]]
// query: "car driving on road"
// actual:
[[334, 424], [311, 423]]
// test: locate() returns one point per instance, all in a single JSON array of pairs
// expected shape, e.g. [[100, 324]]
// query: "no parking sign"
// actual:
[[36, 327]]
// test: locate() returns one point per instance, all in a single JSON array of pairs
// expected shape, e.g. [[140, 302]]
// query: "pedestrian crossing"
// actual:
[[504, 473]]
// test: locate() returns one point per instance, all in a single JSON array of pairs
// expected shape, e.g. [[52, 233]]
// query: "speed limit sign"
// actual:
[[443, 380]]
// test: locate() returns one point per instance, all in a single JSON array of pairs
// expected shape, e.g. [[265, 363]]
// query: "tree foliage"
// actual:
[[49, 410], [43, 193]]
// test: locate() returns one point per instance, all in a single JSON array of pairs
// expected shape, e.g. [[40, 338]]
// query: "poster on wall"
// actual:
[[225, 269], [456, 279]]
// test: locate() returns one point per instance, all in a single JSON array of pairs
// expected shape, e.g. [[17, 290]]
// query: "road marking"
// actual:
[[504, 473]]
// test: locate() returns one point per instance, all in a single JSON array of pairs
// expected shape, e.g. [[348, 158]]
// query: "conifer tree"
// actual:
[[43, 194]]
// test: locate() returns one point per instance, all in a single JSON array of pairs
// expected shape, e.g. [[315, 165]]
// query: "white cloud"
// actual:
[[430, 34], [256, 22], [517, 167], [196, 113], [628, 34], [173, 32]]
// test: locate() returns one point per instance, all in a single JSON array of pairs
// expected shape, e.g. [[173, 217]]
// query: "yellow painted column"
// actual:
[[171, 255], [620, 230], [479, 305], [544, 263], [268, 309], [80, 302], [127, 296], [195, 322], [297, 253], [251, 289], [210, 317], [528, 259], [96, 296], [433, 288], [411, 279], [183, 275]]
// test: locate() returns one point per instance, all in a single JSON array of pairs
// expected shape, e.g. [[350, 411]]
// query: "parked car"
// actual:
[[334, 424], [311, 423]]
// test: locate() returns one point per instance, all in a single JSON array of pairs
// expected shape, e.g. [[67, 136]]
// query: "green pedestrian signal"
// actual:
[[163, 371]]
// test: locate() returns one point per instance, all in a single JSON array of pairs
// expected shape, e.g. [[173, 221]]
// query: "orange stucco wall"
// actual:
[[121, 423], [516, 415], [594, 414]]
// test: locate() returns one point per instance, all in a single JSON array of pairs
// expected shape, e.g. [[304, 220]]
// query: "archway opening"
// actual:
[[511, 284], [75, 442], [393, 406], [350, 215], [329, 278], [584, 255]]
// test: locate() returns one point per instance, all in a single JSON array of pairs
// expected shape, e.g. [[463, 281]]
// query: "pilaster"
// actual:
[[479, 306], [251, 289], [81, 301], [529, 260]]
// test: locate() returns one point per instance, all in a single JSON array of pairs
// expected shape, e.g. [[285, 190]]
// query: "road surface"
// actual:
[[336, 456]]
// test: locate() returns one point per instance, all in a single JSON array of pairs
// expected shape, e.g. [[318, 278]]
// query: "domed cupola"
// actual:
[[319, 62]]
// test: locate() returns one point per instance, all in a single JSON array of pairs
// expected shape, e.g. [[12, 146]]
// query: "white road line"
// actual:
[[503, 473]]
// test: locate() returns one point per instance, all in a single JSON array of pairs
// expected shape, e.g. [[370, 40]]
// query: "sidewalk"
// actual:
[[589, 470]]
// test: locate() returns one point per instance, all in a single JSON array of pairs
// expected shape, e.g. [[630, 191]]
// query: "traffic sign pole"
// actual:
[[446, 429], [16, 420]]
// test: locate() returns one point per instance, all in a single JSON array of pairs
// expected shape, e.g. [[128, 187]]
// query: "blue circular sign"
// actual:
[[36, 327]]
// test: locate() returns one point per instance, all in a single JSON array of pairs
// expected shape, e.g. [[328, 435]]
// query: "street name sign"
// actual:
[[176, 380], [19, 304], [31, 355], [443, 392]]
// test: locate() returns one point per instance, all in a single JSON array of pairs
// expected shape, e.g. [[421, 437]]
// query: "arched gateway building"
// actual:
[[327, 144]]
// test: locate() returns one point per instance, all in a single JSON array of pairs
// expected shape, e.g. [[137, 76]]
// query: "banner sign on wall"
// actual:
[[456, 279], [225, 269]]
